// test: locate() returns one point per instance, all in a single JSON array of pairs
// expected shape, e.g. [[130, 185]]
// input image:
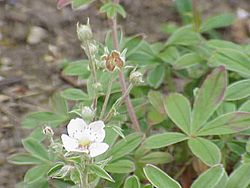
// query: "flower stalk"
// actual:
[[130, 108], [104, 106]]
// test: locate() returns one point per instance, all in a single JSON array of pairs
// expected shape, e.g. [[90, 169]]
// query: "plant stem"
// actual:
[[170, 81], [130, 108], [93, 70], [84, 181], [196, 16], [118, 103], [104, 106]]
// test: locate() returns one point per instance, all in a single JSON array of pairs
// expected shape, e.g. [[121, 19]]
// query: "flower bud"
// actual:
[[48, 131], [64, 171], [87, 113], [84, 32], [136, 77]]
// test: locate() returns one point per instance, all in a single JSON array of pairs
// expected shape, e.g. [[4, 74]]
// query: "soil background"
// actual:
[[35, 37]]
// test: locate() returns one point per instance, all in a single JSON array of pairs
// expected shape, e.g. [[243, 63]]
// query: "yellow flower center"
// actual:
[[84, 143]]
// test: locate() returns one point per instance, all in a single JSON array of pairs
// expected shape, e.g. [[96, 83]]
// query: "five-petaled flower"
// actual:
[[85, 138]]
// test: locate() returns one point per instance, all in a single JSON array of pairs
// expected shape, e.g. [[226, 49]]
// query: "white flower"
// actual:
[[85, 138]]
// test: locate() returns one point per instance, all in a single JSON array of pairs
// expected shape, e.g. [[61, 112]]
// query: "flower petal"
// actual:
[[76, 128], [96, 149], [70, 144], [97, 131]]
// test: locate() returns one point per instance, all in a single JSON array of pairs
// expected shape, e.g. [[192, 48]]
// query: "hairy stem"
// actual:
[[104, 106], [130, 108], [93, 70], [118, 103]]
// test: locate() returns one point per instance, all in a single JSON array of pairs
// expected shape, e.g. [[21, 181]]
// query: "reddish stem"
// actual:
[[122, 81]]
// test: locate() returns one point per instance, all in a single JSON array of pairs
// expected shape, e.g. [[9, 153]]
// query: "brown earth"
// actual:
[[29, 72]]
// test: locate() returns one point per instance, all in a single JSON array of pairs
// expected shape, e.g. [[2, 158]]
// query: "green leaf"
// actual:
[[169, 55], [121, 11], [78, 68], [154, 117], [37, 134], [205, 150], [157, 101], [245, 107], [120, 166], [75, 176], [35, 148], [184, 36], [187, 60], [234, 60], [24, 159], [36, 119], [222, 44], [218, 21], [132, 44], [209, 97], [100, 172], [184, 8], [209, 178], [179, 110], [125, 146], [77, 4], [159, 178], [164, 139], [223, 181], [111, 9], [109, 39], [227, 124], [59, 104], [155, 76], [226, 107], [74, 94], [157, 157], [239, 178], [35, 173], [238, 90], [132, 182], [54, 169]]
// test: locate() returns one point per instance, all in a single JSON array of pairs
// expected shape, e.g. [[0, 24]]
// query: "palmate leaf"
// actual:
[[35, 148], [100, 172], [24, 159], [164, 139], [125, 146], [240, 177], [226, 124], [210, 178], [205, 150], [132, 182], [233, 59], [35, 173], [158, 178], [157, 100], [120, 166], [179, 110], [238, 90], [209, 97]]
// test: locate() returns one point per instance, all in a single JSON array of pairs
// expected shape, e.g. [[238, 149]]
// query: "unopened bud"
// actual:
[[87, 113], [64, 171], [48, 131], [136, 77], [84, 32]]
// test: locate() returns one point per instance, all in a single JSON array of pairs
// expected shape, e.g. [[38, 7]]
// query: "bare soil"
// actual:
[[29, 73]]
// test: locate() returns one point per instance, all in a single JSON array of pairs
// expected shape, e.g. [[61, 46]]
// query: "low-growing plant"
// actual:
[[183, 102]]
